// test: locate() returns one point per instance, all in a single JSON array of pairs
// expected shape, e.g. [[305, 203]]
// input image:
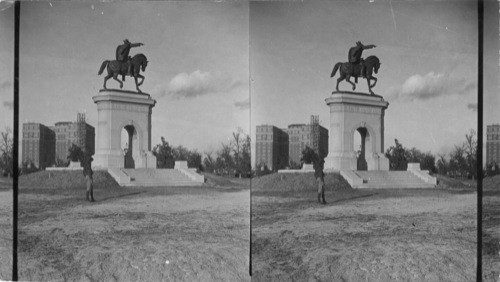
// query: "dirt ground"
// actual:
[[134, 234], [491, 229], [364, 235], [5, 229]]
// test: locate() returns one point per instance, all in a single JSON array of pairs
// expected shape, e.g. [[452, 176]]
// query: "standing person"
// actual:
[[355, 54], [320, 178], [122, 53], [88, 173]]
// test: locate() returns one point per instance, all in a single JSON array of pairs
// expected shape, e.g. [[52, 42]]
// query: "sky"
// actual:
[[428, 51], [7, 69], [198, 68]]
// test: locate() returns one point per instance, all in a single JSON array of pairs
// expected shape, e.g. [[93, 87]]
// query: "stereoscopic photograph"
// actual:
[[250, 141], [365, 118], [134, 141]]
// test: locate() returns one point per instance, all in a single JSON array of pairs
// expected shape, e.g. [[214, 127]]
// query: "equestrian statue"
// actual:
[[358, 67], [125, 65]]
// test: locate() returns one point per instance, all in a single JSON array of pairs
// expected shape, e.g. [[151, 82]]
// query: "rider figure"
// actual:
[[122, 53], [355, 56]]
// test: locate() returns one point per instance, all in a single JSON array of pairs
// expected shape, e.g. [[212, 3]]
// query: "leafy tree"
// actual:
[[6, 153], [75, 153], [164, 155], [27, 167], [294, 165], [309, 156], [442, 165], [397, 156]]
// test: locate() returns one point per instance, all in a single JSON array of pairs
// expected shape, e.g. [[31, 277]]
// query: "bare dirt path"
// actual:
[[6, 229], [364, 235], [134, 234]]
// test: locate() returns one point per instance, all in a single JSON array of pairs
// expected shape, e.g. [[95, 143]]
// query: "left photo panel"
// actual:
[[6, 137], [134, 141]]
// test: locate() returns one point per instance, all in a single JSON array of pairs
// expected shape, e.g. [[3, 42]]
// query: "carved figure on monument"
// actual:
[[125, 65], [358, 67]]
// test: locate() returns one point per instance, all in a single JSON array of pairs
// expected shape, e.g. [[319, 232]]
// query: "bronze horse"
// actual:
[[372, 64], [116, 68]]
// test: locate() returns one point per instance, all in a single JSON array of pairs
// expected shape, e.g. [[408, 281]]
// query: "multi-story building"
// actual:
[[79, 133], [38, 145], [44, 145], [311, 135], [493, 144], [271, 147]]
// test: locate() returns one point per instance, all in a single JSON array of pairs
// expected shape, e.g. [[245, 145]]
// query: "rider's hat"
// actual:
[[126, 41]]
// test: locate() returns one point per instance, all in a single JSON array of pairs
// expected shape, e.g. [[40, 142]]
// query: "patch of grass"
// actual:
[[492, 183], [297, 182], [445, 182], [65, 180], [221, 181]]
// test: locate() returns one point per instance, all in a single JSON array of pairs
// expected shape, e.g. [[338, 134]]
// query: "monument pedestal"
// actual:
[[351, 112], [118, 110]]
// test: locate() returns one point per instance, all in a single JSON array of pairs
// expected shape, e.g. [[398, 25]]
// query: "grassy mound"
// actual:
[[491, 183], [65, 180], [446, 182], [221, 181], [297, 182]]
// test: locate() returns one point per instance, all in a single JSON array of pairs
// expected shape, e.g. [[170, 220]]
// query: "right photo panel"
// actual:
[[364, 140], [491, 144]]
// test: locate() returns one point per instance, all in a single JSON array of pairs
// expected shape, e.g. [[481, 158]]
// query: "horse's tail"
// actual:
[[335, 68], [104, 64]]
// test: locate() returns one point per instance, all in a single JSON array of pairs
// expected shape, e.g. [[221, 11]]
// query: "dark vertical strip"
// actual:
[[17, 12], [480, 140]]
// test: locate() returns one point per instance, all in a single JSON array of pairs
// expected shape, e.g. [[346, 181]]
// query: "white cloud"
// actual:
[[243, 105], [197, 83], [433, 85]]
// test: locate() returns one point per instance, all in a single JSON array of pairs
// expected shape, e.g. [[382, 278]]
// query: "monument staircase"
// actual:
[[178, 176], [391, 179], [411, 178]]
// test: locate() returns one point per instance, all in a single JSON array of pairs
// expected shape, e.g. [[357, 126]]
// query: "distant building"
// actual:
[[278, 148], [271, 147], [311, 135], [493, 144], [79, 133], [44, 145], [38, 145]]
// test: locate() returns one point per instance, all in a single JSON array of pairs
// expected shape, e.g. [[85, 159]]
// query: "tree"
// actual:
[[309, 156], [75, 153], [397, 156], [470, 150], [458, 162], [164, 155], [442, 165], [209, 162], [6, 153]]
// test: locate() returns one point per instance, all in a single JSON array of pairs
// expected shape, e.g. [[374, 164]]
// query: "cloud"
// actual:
[[472, 107], [198, 83], [6, 85], [9, 105], [243, 105], [433, 85]]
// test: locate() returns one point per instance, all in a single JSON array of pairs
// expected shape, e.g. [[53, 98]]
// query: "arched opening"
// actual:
[[128, 138], [362, 147]]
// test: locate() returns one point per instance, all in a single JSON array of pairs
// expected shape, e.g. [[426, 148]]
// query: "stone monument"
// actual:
[[351, 112], [118, 110]]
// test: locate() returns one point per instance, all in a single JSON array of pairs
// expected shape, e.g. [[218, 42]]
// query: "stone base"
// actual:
[[338, 162], [116, 159]]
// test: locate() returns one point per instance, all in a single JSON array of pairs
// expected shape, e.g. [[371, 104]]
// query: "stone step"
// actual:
[[158, 177], [391, 180]]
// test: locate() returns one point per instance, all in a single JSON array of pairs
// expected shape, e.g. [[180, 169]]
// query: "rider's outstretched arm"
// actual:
[[136, 44], [368, 46]]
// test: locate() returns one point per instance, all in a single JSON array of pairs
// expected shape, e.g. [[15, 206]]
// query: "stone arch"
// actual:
[[370, 133]]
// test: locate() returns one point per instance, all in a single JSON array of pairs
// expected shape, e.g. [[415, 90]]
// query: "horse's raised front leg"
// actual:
[[142, 79], [374, 78]]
